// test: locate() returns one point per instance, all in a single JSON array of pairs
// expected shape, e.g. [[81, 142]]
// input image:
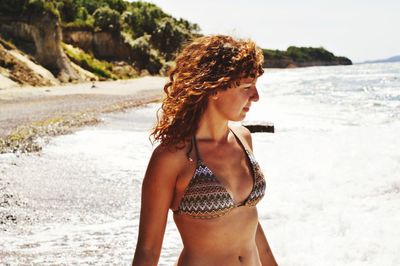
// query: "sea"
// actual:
[[332, 169]]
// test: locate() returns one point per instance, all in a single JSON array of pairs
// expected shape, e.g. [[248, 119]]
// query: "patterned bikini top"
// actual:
[[206, 197]]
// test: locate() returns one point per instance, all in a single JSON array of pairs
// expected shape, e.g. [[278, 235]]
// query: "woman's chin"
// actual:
[[239, 118]]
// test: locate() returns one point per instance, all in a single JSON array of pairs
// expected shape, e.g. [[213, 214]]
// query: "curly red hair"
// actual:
[[207, 65]]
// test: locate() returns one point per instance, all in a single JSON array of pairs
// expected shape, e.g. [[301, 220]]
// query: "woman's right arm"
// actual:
[[157, 193]]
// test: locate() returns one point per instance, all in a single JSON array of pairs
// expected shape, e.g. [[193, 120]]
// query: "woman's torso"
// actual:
[[229, 238], [226, 240]]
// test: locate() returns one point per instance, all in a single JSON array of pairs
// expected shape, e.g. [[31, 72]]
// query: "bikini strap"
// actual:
[[194, 144], [239, 140]]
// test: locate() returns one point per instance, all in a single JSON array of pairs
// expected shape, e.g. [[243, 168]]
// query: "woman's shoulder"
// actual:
[[244, 134], [171, 157]]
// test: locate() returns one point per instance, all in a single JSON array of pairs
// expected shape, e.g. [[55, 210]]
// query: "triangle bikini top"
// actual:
[[206, 197]]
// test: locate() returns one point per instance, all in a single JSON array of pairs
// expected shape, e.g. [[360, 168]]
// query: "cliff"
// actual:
[[103, 45], [41, 37], [111, 39]]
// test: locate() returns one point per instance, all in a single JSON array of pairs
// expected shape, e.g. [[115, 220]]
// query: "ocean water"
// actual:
[[332, 170]]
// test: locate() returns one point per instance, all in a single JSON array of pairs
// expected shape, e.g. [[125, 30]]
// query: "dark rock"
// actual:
[[259, 126]]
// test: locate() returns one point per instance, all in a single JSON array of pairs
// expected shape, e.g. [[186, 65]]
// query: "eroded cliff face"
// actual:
[[103, 45], [16, 69], [45, 35]]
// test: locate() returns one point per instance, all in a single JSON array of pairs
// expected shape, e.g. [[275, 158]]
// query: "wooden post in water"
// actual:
[[255, 126]]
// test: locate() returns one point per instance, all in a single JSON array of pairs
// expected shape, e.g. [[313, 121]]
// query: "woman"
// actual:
[[203, 169]]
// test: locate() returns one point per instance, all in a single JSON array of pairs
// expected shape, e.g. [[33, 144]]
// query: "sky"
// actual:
[[358, 29]]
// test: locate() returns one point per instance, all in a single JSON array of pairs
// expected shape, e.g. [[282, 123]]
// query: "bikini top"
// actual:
[[206, 197]]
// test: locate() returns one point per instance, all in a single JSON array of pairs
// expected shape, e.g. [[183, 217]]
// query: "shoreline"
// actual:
[[31, 116], [30, 113]]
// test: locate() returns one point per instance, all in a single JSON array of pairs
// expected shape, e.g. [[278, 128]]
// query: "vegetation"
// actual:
[[144, 55], [106, 19], [7, 44], [154, 36], [298, 55], [132, 19], [28, 8], [88, 62]]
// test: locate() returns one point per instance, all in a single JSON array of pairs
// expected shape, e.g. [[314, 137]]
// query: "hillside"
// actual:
[[387, 60], [302, 57], [113, 39], [45, 42]]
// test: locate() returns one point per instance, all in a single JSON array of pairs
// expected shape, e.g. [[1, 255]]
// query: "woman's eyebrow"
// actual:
[[245, 85]]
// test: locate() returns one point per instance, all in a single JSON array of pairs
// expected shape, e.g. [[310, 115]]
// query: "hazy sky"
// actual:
[[358, 29]]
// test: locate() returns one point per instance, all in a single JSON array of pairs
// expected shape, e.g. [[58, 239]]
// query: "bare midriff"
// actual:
[[225, 240]]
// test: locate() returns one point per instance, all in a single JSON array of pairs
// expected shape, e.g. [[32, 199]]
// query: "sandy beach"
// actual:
[[29, 112], [29, 116]]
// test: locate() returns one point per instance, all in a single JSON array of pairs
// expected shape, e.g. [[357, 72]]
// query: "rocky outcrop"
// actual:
[[103, 45], [116, 46], [45, 35], [16, 69]]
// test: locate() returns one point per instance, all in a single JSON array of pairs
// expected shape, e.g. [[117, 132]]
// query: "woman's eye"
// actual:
[[247, 87]]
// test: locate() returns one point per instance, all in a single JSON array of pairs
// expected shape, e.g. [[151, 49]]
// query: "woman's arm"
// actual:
[[264, 251], [157, 194]]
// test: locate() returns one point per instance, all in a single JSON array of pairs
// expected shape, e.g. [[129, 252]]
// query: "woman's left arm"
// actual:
[[264, 251]]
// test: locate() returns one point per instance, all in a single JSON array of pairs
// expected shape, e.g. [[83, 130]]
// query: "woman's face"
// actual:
[[235, 102]]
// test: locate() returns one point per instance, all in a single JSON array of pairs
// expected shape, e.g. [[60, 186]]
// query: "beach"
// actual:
[[35, 114], [29, 112], [331, 168]]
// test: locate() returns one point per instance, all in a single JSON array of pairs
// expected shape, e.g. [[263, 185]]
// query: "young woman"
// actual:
[[204, 169]]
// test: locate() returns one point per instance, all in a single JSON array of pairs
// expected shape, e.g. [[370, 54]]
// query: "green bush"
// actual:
[[82, 13], [67, 9], [274, 54], [90, 5], [169, 37], [143, 17], [79, 25], [42, 7], [302, 54], [106, 19], [118, 5], [143, 54], [26, 8], [88, 62], [14, 7]]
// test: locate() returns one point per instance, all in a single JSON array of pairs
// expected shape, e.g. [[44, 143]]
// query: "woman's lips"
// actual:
[[246, 109]]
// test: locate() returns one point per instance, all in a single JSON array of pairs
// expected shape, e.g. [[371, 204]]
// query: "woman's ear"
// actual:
[[215, 96]]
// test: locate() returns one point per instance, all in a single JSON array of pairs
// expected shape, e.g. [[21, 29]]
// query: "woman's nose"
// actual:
[[255, 96]]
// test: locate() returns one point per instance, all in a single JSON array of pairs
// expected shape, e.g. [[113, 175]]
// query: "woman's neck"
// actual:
[[212, 128]]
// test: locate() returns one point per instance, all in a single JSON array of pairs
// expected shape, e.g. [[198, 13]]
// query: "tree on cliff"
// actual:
[[106, 19], [22, 8]]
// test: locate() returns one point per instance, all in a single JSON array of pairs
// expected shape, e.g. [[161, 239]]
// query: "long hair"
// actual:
[[207, 65]]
